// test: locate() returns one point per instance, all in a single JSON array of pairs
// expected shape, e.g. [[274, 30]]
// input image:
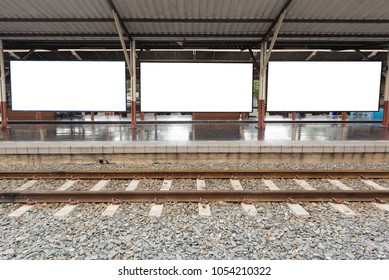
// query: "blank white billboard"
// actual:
[[323, 86], [68, 86], [196, 87]]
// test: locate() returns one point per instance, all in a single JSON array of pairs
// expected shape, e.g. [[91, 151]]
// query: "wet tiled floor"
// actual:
[[195, 132]]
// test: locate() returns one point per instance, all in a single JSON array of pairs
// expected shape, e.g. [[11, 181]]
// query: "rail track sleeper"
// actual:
[[110, 210], [64, 211], [249, 209], [304, 184], [67, 185], [200, 184], [133, 185], [270, 184], [340, 185], [298, 210], [166, 184], [235, 183], [204, 209], [292, 204], [100, 185], [27, 185], [335, 202], [380, 206], [156, 210], [343, 209], [374, 185], [20, 211]]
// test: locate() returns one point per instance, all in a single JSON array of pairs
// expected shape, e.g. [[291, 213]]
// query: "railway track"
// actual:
[[190, 174], [196, 196], [239, 194]]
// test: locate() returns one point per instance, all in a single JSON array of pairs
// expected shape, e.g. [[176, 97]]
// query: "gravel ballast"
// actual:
[[200, 166], [181, 233]]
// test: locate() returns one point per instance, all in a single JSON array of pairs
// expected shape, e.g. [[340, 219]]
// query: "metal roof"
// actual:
[[222, 24]]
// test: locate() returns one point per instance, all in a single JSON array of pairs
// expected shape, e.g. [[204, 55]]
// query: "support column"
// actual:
[[262, 88], [385, 117], [133, 85], [265, 57], [130, 64], [3, 95]]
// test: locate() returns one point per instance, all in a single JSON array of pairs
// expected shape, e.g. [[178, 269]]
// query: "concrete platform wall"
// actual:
[[177, 151]]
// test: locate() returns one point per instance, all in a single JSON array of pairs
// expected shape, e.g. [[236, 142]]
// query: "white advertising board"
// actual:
[[196, 87], [68, 86], [323, 86]]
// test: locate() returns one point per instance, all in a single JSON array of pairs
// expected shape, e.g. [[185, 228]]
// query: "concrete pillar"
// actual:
[[262, 88], [3, 95], [385, 117], [133, 85]]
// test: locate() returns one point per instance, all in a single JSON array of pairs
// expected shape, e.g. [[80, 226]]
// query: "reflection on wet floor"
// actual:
[[194, 132]]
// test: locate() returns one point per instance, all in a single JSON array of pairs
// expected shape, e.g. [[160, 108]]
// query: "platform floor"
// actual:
[[169, 141], [151, 118], [299, 132]]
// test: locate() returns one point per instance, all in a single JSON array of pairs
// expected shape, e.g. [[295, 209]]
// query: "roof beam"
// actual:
[[76, 55], [372, 54], [276, 20], [195, 20], [14, 55], [123, 26], [309, 57], [367, 58], [333, 44], [198, 35], [364, 57], [120, 32], [30, 52], [273, 40], [254, 60]]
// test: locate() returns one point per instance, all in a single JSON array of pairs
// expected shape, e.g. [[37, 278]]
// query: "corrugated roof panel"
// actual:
[[322, 38], [356, 28], [54, 8], [203, 28], [57, 27], [339, 9], [69, 41], [196, 9]]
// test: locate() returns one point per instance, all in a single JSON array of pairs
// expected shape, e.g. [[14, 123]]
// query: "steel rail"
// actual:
[[195, 196], [192, 174]]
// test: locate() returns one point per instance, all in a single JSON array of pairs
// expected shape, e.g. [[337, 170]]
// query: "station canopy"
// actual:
[[217, 29]]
